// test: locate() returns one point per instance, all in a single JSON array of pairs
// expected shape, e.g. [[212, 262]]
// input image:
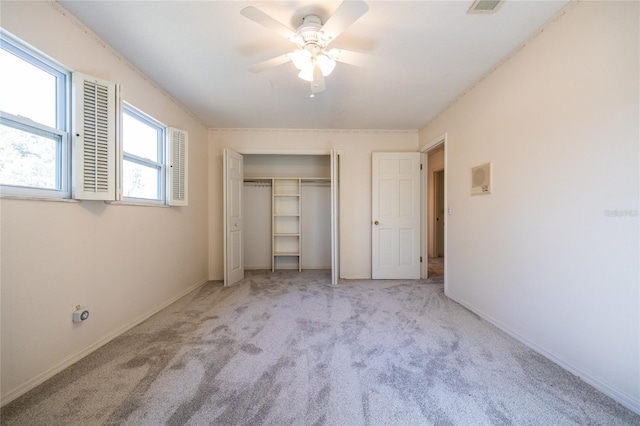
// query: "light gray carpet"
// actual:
[[289, 349]]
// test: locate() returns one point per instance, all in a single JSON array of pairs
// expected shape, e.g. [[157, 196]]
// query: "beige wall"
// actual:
[[122, 262], [541, 256], [355, 182]]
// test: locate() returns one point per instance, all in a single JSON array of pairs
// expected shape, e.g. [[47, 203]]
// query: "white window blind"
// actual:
[[94, 138], [178, 170]]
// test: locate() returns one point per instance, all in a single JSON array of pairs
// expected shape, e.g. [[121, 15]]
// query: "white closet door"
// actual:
[[335, 234], [233, 217], [395, 214]]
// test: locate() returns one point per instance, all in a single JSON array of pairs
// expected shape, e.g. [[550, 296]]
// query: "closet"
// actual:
[[280, 212]]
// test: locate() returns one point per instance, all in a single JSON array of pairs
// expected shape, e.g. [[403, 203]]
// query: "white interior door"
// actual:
[[233, 217], [335, 197], [395, 215]]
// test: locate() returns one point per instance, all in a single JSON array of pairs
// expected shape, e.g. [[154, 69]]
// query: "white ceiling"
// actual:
[[423, 54]]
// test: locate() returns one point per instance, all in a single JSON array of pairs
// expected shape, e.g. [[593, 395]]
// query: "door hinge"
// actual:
[[420, 166], [420, 259]]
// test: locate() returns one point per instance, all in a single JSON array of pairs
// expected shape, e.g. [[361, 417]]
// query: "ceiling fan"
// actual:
[[312, 57]]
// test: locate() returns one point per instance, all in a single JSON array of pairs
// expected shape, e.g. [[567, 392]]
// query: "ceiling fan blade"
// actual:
[[269, 63], [317, 85], [267, 21], [346, 14], [350, 57]]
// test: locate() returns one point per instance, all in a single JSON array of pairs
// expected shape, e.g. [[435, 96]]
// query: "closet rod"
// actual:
[[268, 180], [316, 180], [257, 181]]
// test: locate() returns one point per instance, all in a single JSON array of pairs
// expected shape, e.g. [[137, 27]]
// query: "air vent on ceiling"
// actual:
[[484, 6]]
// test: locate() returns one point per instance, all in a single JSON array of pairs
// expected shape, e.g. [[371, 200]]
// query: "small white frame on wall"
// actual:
[[481, 179]]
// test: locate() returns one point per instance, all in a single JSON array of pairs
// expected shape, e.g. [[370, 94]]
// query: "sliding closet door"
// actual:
[[335, 234], [233, 176]]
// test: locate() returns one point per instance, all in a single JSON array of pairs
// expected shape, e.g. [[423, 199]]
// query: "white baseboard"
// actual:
[[626, 400], [73, 358]]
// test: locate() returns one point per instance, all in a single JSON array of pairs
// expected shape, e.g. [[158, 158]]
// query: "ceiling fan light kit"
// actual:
[[306, 62], [301, 58], [325, 63], [312, 58], [306, 73]]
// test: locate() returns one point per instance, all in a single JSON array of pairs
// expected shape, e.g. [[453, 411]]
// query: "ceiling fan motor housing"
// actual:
[[309, 31]]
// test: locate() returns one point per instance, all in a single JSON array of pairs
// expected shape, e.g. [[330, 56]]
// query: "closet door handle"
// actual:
[[376, 223]]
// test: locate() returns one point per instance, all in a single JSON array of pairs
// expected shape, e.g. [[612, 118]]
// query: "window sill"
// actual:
[[135, 203], [73, 201], [30, 198]]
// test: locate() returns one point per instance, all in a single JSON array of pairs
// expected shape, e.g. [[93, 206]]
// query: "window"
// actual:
[[34, 143], [119, 152], [143, 159]]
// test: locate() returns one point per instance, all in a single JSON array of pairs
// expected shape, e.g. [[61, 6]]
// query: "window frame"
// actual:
[[63, 163], [160, 166]]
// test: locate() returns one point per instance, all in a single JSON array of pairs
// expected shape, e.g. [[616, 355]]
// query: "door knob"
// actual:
[[376, 223]]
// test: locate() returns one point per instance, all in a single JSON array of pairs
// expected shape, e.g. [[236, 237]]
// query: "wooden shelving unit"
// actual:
[[286, 227]]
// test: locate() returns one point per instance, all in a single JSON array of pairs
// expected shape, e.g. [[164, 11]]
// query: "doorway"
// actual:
[[436, 257], [438, 213], [434, 201]]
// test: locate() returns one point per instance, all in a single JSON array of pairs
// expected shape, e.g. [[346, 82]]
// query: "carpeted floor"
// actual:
[[289, 349]]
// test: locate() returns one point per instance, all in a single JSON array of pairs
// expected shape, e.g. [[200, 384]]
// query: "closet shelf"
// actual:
[[286, 221]]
